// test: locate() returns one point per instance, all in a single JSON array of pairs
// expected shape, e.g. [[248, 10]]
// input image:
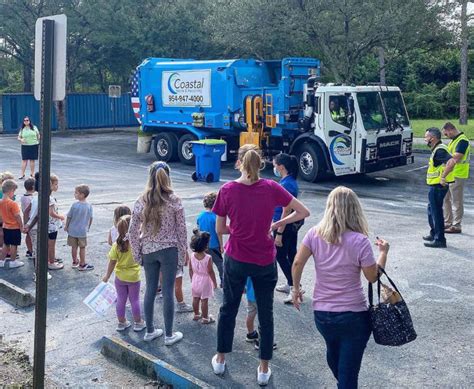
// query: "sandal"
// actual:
[[208, 320], [197, 317]]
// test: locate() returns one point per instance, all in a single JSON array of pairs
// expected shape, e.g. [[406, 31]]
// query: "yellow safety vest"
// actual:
[[461, 170], [337, 115], [433, 174]]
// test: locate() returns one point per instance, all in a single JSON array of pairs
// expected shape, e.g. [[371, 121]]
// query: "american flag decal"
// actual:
[[134, 93]]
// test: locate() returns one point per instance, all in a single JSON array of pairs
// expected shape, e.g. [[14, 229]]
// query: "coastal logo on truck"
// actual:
[[340, 146], [186, 88]]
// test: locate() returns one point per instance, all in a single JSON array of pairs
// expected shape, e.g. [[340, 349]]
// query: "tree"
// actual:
[[464, 63]]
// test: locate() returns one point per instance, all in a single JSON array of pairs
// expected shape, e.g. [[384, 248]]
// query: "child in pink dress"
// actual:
[[203, 279]]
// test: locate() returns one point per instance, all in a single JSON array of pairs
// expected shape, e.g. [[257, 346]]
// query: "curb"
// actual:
[[15, 295], [148, 365]]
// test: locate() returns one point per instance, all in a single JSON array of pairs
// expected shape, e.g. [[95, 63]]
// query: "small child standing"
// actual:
[[12, 226], [3, 177], [54, 225], [25, 202], [78, 223], [127, 277], [206, 221], [119, 211], [203, 279], [252, 335]]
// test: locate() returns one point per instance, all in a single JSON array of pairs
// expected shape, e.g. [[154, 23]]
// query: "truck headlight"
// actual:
[[371, 153], [407, 146]]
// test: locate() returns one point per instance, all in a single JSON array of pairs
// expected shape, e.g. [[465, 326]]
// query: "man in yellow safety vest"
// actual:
[[438, 176], [460, 149], [337, 114]]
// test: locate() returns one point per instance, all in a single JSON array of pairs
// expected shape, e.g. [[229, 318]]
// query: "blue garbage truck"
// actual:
[[279, 105]]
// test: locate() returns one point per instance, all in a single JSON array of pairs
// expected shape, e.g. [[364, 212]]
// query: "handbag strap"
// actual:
[[381, 270]]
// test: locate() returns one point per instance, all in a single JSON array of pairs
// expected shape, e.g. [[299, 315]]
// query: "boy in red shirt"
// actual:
[[12, 226]]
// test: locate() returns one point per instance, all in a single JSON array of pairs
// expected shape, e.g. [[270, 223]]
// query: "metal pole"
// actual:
[[43, 204], [114, 110]]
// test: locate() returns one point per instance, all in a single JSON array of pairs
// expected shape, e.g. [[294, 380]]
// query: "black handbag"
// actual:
[[391, 323]]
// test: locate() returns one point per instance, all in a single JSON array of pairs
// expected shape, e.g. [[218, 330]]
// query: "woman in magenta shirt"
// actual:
[[341, 250], [249, 203]]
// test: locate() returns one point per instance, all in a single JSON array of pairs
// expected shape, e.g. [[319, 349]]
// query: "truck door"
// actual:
[[339, 134]]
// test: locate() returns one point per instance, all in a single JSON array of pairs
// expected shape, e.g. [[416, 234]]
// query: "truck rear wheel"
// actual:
[[165, 147], [185, 152], [310, 162]]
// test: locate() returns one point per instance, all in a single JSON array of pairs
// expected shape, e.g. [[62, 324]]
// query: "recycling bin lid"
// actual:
[[210, 142]]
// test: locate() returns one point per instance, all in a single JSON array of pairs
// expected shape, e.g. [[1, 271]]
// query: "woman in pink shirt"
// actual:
[[341, 251], [249, 203], [157, 236]]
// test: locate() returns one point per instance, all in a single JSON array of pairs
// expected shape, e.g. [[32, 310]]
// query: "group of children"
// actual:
[[17, 220], [207, 248]]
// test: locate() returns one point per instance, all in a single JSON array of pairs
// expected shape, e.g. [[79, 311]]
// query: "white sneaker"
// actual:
[[123, 326], [219, 368], [284, 288], [153, 335], [175, 338], [34, 277], [137, 327], [263, 378], [2, 263], [13, 264], [288, 299]]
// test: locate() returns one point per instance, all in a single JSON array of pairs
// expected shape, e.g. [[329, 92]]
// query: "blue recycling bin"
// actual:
[[208, 153]]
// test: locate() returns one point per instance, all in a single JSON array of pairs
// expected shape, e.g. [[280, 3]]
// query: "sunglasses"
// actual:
[[26, 120]]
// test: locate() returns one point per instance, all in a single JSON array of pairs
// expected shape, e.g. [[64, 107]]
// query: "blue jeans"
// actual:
[[346, 334], [436, 197]]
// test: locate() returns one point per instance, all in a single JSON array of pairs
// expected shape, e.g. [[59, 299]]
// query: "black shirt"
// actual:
[[441, 156], [462, 146]]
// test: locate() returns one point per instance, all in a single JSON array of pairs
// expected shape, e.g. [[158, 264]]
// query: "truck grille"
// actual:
[[389, 146]]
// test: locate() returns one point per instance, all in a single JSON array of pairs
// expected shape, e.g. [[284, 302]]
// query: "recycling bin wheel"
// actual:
[[210, 177], [194, 176]]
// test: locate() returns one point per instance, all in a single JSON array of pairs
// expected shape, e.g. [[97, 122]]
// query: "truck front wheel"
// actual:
[[185, 152], [165, 147], [309, 162]]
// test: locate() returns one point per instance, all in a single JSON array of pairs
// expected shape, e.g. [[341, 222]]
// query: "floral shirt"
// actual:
[[172, 232]]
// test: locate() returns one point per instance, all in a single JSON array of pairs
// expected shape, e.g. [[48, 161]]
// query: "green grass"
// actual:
[[419, 126]]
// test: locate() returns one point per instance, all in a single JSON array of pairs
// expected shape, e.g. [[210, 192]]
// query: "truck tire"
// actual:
[[165, 147], [185, 153], [310, 162]]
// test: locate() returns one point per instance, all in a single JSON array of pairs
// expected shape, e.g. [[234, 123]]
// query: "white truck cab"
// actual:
[[363, 129]]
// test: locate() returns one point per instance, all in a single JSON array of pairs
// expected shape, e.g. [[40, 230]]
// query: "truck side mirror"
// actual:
[[315, 104]]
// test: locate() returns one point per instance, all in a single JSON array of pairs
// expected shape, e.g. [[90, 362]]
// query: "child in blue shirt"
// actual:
[[206, 221]]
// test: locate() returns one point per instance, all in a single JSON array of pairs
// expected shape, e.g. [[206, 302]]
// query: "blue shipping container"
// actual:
[[82, 111]]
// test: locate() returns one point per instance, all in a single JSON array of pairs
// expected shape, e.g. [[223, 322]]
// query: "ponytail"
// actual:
[[122, 227], [251, 161]]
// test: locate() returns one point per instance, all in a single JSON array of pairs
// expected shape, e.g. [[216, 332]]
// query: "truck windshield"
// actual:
[[395, 109], [371, 110]]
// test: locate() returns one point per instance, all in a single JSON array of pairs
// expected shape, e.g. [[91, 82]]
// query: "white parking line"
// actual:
[[418, 168]]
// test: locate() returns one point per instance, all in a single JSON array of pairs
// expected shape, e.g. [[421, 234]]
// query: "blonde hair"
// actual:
[[9, 186], [251, 161], [157, 193], [53, 178], [343, 213], [6, 176]]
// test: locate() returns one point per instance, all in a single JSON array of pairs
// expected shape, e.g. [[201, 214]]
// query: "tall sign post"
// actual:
[[115, 91], [50, 77]]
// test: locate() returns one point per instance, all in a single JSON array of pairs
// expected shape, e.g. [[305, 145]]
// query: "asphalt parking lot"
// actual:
[[437, 284]]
